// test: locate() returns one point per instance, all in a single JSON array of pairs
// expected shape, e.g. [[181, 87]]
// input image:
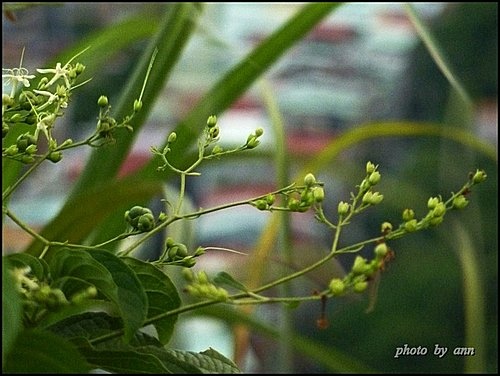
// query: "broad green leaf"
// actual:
[[39, 351], [76, 310], [143, 354], [147, 359], [115, 280], [208, 361], [39, 267], [162, 295], [11, 310], [132, 299], [88, 325]]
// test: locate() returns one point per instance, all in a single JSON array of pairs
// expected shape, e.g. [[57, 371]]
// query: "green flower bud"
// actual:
[[411, 225], [479, 176], [169, 242], [270, 199], [367, 197], [202, 277], [7, 100], [12, 150], [374, 178], [432, 202], [55, 156], [67, 142], [146, 222], [386, 227], [370, 168], [217, 149], [381, 250], [376, 198], [293, 204], [182, 250], [460, 202], [261, 204], [318, 194], [436, 220], [199, 251], [27, 159], [172, 137], [259, 132], [188, 275], [188, 262], [162, 217], [5, 129], [309, 180], [359, 266], [212, 121], [343, 208], [252, 142], [137, 105], [336, 286], [439, 210], [408, 215], [360, 286]]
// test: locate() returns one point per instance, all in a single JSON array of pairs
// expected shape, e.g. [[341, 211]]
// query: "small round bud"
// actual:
[[359, 265], [217, 149], [432, 202], [386, 227], [343, 208], [336, 286], [318, 194], [27, 159], [309, 180], [360, 286], [137, 105], [214, 132], [55, 156], [293, 204], [212, 121], [374, 178], [259, 132], [367, 197], [376, 198], [252, 142], [460, 202], [202, 277], [172, 137], [370, 168], [102, 101], [439, 210], [408, 215], [436, 220], [411, 225], [31, 149], [261, 204], [479, 176], [270, 199], [146, 222], [381, 250]]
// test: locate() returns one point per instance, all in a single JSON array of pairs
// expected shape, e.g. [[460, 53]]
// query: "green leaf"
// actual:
[[115, 280], [39, 267], [227, 279], [132, 299], [87, 325], [162, 295], [39, 351], [208, 361], [11, 310]]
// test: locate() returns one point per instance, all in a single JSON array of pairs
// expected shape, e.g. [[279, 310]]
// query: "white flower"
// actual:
[[16, 75], [58, 73]]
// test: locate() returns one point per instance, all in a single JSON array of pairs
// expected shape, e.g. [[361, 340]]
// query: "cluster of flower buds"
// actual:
[[140, 218], [312, 193], [200, 286], [362, 271], [177, 254]]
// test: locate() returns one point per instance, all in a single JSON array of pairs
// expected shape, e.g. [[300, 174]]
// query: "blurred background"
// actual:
[[363, 64]]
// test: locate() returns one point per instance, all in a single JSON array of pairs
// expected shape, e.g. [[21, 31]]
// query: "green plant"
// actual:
[[93, 300]]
